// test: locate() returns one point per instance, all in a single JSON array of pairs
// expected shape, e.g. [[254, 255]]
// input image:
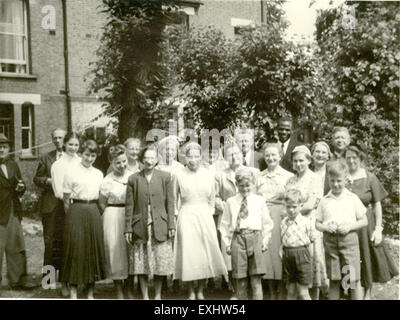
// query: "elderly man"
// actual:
[[51, 210], [251, 158], [11, 237], [341, 140]]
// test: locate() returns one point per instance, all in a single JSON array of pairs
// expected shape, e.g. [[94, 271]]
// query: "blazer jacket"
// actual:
[[286, 161], [47, 201], [9, 198], [160, 192]]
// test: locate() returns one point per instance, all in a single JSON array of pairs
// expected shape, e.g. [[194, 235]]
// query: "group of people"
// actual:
[[287, 220]]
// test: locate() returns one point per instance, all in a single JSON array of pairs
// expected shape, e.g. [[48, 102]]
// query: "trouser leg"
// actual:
[[15, 253], [48, 230]]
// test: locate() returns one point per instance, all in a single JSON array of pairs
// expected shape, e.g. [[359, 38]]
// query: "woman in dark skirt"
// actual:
[[377, 265], [84, 257]]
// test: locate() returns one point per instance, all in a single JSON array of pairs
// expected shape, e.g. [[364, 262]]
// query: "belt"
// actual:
[[119, 205], [83, 201], [246, 231], [299, 247]]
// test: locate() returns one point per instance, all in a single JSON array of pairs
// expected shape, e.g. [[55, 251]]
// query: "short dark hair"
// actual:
[[150, 147], [357, 150], [285, 119], [91, 146], [116, 151]]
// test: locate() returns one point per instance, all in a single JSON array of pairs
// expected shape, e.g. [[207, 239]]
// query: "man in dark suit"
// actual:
[[287, 141], [11, 237], [251, 158], [50, 208]]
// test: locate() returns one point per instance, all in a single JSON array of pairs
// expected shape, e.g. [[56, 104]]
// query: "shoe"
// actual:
[[23, 287]]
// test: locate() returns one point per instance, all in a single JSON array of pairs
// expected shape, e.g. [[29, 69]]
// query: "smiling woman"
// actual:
[[83, 257]]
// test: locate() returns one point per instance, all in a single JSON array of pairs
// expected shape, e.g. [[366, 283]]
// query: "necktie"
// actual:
[[283, 148], [243, 213], [58, 155]]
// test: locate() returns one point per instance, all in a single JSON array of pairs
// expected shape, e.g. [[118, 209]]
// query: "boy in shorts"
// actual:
[[245, 231], [297, 234], [339, 214]]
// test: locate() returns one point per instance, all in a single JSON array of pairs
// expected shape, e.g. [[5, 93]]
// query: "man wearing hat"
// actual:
[[11, 237]]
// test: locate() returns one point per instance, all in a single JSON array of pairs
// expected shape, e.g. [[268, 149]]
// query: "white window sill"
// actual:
[[17, 75], [27, 156]]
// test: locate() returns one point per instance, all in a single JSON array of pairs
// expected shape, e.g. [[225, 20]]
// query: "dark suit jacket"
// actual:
[[48, 201], [8, 195], [160, 191], [257, 159], [286, 162]]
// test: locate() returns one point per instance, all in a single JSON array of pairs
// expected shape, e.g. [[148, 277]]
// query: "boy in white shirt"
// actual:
[[339, 214], [245, 231]]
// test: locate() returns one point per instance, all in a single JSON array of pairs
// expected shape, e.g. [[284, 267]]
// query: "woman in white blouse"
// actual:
[[59, 168], [84, 257]]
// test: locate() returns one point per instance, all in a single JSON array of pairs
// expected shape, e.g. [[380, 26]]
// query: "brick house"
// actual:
[[33, 92]]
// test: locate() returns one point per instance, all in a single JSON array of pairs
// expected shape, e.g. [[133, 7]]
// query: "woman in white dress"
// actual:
[[197, 255], [59, 169], [112, 202]]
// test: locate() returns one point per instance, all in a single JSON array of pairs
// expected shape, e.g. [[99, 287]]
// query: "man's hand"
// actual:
[[171, 233], [228, 251], [48, 181], [264, 247], [128, 237]]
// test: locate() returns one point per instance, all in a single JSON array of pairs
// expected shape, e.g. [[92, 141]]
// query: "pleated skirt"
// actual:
[[84, 256]]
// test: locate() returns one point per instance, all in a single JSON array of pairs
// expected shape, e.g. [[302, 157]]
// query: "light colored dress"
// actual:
[[271, 185], [196, 251], [312, 188], [116, 250]]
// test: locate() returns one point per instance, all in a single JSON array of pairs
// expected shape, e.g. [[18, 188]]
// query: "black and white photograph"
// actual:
[[174, 150]]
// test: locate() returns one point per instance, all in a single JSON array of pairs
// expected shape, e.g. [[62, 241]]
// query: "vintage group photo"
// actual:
[[199, 149]]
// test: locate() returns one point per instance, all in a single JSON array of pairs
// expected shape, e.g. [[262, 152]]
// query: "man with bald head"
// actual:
[[51, 211]]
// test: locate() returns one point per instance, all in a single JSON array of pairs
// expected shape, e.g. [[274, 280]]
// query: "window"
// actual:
[[240, 24], [26, 129], [6, 122], [13, 37]]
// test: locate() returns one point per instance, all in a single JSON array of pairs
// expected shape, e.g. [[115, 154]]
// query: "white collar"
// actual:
[[360, 174]]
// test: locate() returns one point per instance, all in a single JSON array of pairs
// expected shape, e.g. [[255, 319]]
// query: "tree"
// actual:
[[359, 50], [252, 80], [130, 73]]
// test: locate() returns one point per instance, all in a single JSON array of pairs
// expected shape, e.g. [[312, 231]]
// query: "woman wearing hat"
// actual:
[[377, 264], [197, 255], [11, 236], [309, 183]]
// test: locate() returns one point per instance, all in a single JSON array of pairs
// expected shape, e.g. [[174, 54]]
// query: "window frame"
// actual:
[[26, 44], [28, 151]]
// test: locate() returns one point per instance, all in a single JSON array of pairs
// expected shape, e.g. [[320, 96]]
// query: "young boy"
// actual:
[[339, 214], [297, 232], [245, 231]]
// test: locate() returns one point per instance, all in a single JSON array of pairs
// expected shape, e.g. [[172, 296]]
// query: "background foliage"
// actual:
[[350, 77]]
